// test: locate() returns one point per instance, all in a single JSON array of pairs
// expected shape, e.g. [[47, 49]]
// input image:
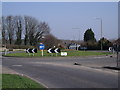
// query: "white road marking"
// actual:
[[17, 65], [101, 57]]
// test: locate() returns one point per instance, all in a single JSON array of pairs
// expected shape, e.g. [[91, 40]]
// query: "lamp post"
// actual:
[[78, 36], [78, 33], [101, 32]]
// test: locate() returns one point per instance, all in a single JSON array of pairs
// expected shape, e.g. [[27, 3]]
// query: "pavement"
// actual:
[[6, 70], [60, 72]]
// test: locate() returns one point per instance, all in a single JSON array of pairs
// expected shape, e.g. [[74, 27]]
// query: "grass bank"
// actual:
[[17, 81]]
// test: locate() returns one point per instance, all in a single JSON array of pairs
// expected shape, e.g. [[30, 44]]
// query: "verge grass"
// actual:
[[17, 81], [0, 81]]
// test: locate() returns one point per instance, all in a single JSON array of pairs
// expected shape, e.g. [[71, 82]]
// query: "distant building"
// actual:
[[74, 46]]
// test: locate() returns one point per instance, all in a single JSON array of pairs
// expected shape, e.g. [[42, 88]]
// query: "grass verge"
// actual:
[[17, 81], [0, 81]]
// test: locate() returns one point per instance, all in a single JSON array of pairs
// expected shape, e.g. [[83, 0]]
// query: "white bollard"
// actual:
[[63, 53]]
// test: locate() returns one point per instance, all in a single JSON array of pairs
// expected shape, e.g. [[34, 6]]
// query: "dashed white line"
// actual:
[[17, 65]]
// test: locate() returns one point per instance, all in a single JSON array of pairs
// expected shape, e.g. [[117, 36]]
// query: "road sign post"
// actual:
[[42, 52], [41, 47]]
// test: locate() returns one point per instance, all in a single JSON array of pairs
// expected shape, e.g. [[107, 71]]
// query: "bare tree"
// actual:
[[42, 30], [14, 28], [34, 30], [51, 41], [31, 25], [3, 31], [44, 27], [18, 29], [26, 30], [10, 27]]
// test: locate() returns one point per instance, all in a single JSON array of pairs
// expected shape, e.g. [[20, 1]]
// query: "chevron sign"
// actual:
[[54, 50], [33, 50]]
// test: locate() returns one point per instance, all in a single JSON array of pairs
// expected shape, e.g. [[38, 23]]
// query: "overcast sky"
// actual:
[[64, 17]]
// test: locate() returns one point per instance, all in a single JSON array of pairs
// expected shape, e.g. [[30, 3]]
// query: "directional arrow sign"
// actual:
[[53, 50], [33, 50], [50, 50], [57, 50], [27, 50]]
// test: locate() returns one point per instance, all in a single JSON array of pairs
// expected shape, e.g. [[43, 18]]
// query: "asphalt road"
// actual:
[[60, 72]]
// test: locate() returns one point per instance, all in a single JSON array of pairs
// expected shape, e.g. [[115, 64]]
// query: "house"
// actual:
[[74, 46]]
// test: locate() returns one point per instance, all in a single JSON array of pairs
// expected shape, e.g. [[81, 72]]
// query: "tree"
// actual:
[[18, 29], [116, 45], [89, 35], [117, 41], [105, 43], [3, 31], [42, 30], [34, 30], [10, 27], [50, 41], [26, 30], [32, 24]]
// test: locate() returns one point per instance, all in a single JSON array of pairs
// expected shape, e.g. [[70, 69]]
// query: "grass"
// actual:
[[70, 53], [17, 81], [0, 81], [87, 53]]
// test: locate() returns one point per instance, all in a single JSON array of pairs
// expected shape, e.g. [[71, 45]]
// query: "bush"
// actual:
[[90, 45], [105, 43]]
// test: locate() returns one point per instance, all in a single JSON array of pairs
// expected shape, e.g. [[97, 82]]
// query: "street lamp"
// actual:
[[101, 31], [78, 36], [78, 33]]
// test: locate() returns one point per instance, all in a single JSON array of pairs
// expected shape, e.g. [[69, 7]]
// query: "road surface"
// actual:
[[60, 72]]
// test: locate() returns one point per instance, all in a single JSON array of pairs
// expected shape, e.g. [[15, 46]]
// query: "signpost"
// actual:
[[42, 47]]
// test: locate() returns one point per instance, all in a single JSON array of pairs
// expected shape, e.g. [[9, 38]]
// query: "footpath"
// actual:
[[5, 70]]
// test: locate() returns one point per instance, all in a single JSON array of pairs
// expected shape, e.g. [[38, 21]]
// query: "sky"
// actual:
[[70, 20]]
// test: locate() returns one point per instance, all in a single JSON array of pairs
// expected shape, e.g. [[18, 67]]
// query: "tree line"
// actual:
[[27, 30], [91, 43], [23, 30]]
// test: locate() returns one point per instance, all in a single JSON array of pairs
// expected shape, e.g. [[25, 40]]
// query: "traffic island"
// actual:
[[70, 53]]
